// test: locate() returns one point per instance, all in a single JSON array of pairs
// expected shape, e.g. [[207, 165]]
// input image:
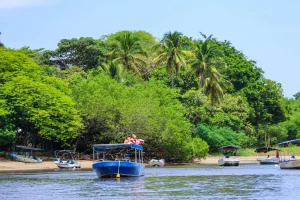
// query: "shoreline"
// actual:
[[13, 166]]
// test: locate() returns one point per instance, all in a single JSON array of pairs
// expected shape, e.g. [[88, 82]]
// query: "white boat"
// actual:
[[26, 155], [268, 160], [227, 160], [157, 163], [291, 162], [68, 160]]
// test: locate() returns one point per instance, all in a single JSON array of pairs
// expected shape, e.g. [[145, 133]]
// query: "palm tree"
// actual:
[[171, 52], [128, 52], [214, 86], [113, 69], [208, 56]]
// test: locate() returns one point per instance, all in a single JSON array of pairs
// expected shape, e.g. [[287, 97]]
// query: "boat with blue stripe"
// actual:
[[120, 164]]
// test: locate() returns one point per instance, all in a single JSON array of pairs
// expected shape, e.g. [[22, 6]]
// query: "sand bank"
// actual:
[[11, 166]]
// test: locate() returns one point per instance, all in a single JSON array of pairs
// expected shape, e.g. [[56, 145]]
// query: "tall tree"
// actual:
[[208, 58], [171, 53], [128, 52]]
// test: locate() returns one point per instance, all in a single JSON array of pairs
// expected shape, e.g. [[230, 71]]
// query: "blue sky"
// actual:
[[267, 31]]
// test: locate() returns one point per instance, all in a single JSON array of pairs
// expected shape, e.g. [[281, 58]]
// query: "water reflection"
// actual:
[[190, 182]]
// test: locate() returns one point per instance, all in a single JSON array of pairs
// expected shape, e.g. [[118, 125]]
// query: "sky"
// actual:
[[266, 31]]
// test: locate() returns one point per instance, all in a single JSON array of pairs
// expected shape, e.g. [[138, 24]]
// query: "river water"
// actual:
[[180, 182]]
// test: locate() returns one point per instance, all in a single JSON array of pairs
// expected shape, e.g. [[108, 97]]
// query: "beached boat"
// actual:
[[157, 163], [118, 167], [66, 159], [289, 162], [26, 154], [227, 160], [268, 160]]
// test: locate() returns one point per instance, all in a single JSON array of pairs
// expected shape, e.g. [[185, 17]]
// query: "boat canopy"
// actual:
[[264, 149], [29, 148], [105, 147], [230, 147], [296, 141]]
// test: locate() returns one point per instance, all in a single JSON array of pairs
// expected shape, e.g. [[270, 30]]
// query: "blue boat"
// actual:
[[118, 167]]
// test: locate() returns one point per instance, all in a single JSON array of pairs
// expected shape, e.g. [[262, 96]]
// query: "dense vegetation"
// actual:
[[183, 96]]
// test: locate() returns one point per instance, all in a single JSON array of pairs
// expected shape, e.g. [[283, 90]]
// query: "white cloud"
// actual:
[[7, 4]]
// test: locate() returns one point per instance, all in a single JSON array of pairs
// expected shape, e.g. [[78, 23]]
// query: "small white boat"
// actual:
[[157, 163], [227, 160], [26, 156], [291, 163], [268, 160], [69, 163]]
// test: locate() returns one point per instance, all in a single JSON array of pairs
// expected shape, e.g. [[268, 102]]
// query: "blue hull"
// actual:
[[269, 163], [109, 169]]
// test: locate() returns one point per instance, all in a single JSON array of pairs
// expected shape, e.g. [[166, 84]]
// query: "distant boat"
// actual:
[[68, 159], [227, 160], [26, 155], [119, 167], [157, 163], [268, 160], [289, 162]]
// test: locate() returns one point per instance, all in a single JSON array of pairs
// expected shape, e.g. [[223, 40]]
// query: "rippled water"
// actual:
[[188, 182]]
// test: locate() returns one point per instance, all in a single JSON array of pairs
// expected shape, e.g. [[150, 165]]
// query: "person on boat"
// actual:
[[268, 156], [227, 156]]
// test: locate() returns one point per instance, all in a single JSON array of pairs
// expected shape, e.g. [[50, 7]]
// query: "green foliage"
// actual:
[[239, 71], [113, 111], [37, 105], [266, 99], [220, 136], [87, 53]]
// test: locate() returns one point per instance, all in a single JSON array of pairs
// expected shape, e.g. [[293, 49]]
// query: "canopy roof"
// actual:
[[230, 147], [29, 148], [264, 149], [296, 141], [105, 147], [64, 151]]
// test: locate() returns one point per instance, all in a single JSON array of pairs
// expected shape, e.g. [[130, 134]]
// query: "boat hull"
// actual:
[[110, 169], [67, 165], [27, 160], [290, 164], [157, 163], [268, 161], [229, 162]]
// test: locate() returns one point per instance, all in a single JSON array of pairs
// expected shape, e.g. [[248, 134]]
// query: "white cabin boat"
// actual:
[[227, 160], [268, 160], [68, 160], [291, 162], [157, 163]]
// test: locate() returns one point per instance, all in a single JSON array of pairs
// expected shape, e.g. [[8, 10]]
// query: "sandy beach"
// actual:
[[11, 166]]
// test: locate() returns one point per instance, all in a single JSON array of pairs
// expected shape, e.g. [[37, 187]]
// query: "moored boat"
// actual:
[[26, 155], [268, 160], [157, 163], [289, 162], [68, 160], [118, 167], [227, 160]]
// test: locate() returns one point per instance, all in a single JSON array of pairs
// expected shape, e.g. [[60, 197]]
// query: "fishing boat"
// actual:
[[66, 159], [267, 160], [157, 163], [227, 160], [118, 167], [26, 155], [289, 162]]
